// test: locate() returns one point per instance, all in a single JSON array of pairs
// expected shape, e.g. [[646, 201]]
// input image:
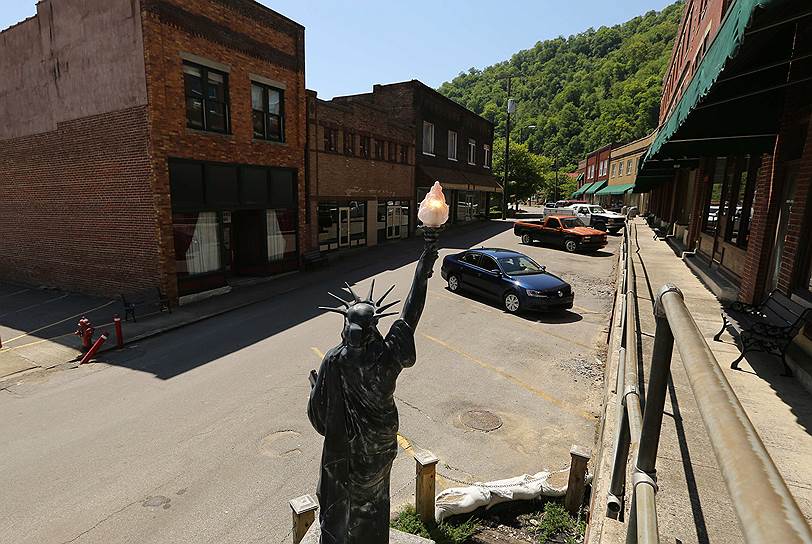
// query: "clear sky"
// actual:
[[352, 44]]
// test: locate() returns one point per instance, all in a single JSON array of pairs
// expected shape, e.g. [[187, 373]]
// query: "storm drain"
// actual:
[[481, 420]]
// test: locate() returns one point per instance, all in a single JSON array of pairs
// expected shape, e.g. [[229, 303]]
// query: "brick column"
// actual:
[[762, 231]]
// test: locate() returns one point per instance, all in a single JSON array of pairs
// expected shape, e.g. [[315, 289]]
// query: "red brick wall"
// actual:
[[257, 42], [77, 209]]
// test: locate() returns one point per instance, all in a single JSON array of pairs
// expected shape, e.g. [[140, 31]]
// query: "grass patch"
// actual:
[[444, 533], [555, 521]]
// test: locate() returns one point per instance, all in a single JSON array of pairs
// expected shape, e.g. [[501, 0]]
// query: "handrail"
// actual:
[[765, 508]]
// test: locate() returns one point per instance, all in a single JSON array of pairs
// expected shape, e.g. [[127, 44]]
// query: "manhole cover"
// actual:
[[481, 420]]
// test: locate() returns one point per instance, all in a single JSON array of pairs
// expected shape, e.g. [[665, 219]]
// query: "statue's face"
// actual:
[[359, 325]]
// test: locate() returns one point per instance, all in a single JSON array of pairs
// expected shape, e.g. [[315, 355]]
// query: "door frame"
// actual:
[[344, 223]]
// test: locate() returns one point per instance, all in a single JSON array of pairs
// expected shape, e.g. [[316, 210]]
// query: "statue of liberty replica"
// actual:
[[352, 405]]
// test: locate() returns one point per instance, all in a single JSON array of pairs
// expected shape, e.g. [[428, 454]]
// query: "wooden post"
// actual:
[[304, 514], [577, 482], [426, 467]]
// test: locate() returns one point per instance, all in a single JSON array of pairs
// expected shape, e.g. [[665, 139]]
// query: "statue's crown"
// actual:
[[378, 305]]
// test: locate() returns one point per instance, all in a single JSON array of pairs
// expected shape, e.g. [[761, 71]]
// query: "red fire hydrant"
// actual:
[[85, 331]]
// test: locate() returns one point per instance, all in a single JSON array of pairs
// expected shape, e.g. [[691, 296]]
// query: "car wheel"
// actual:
[[570, 245], [526, 240], [511, 302], [453, 283]]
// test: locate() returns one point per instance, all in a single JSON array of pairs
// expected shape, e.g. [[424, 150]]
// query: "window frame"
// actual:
[[378, 151], [391, 151], [428, 143], [404, 154], [331, 138], [486, 148], [204, 82], [349, 137], [454, 147], [471, 151], [364, 143], [266, 90]]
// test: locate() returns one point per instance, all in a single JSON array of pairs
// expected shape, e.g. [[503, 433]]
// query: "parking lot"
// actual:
[[205, 427]]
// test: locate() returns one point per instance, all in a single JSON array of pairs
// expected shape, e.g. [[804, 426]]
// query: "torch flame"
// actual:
[[433, 210]]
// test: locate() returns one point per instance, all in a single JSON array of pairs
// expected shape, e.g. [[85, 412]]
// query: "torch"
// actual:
[[433, 213]]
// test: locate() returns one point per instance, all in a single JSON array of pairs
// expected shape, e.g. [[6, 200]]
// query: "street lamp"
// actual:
[[511, 107]]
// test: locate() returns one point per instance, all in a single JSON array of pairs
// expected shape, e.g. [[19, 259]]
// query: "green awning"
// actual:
[[581, 189], [725, 46], [595, 187], [615, 189], [580, 177]]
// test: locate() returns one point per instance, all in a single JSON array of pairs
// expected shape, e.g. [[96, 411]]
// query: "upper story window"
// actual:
[[379, 150], [487, 160], [330, 139], [471, 151], [363, 146], [349, 143], [614, 169], [392, 151], [590, 171], [428, 138], [629, 167], [452, 145], [206, 98], [603, 168], [404, 154], [267, 105]]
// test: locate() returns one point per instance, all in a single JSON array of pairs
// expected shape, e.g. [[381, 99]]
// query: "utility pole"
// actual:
[[556, 177], [510, 106]]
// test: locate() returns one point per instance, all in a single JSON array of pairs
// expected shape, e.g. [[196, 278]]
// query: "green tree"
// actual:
[[526, 171], [581, 92]]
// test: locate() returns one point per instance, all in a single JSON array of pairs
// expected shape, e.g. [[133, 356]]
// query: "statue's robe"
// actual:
[[353, 407]]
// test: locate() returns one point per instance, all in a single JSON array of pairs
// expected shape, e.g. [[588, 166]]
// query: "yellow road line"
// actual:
[[318, 352], [562, 404], [518, 321], [43, 303]]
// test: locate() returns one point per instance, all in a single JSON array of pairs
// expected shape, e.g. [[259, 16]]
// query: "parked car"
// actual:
[[567, 232], [567, 203], [512, 278], [549, 204], [592, 215]]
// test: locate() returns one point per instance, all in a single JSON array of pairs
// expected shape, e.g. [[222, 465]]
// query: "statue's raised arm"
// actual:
[[413, 307]]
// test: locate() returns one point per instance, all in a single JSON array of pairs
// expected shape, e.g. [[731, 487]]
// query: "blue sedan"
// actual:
[[516, 280]]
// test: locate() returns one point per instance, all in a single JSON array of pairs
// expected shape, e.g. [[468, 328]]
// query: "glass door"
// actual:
[[394, 218], [343, 226]]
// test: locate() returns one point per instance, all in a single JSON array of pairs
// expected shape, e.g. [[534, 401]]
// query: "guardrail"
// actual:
[[766, 510]]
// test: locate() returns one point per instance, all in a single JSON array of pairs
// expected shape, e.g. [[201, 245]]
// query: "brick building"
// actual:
[[453, 145], [730, 166], [360, 174], [151, 143], [624, 162], [596, 173]]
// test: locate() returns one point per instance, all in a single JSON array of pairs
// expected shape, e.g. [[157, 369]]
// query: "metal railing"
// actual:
[[766, 510]]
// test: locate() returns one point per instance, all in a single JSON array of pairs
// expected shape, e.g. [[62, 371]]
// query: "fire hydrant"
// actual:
[[85, 331]]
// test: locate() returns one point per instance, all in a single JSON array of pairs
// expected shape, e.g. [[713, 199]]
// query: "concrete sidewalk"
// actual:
[[37, 341], [693, 504]]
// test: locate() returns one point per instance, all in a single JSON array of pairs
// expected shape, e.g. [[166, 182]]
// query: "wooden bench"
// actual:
[[314, 258], [151, 297], [768, 327]]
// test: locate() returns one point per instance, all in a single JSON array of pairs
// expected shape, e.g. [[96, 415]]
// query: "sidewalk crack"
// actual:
[[83, 533]]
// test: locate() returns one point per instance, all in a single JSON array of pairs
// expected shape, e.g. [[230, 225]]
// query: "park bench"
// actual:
[[768, 327], [150, 297], [314, 258]]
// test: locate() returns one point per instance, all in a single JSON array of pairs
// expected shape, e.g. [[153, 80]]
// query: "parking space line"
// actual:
[[519, 321], [21, 291], [59, 322], [562, 404], [43, 303]]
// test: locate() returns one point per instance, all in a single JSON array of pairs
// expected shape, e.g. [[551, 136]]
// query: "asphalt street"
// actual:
[[201, 435]]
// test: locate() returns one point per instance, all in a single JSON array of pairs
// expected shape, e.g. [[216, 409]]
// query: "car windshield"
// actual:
[[519, 265], [571, 222], [597, 209]]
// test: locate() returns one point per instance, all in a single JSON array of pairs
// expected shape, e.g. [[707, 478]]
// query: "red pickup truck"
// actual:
[[566, 232]]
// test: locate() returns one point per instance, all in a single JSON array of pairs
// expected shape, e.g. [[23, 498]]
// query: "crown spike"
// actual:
[[371, 289], [351, 292], [338, 298], [386, 306], [385, 315], [378, 303], [341, 311]]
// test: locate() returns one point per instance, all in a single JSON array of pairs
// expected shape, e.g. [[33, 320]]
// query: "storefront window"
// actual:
[[342, 224], [197, 243], [739, 210], [281, 228], [713, 197]]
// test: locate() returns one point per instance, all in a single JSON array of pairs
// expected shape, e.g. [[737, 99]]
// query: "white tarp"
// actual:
[[461, 500]]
